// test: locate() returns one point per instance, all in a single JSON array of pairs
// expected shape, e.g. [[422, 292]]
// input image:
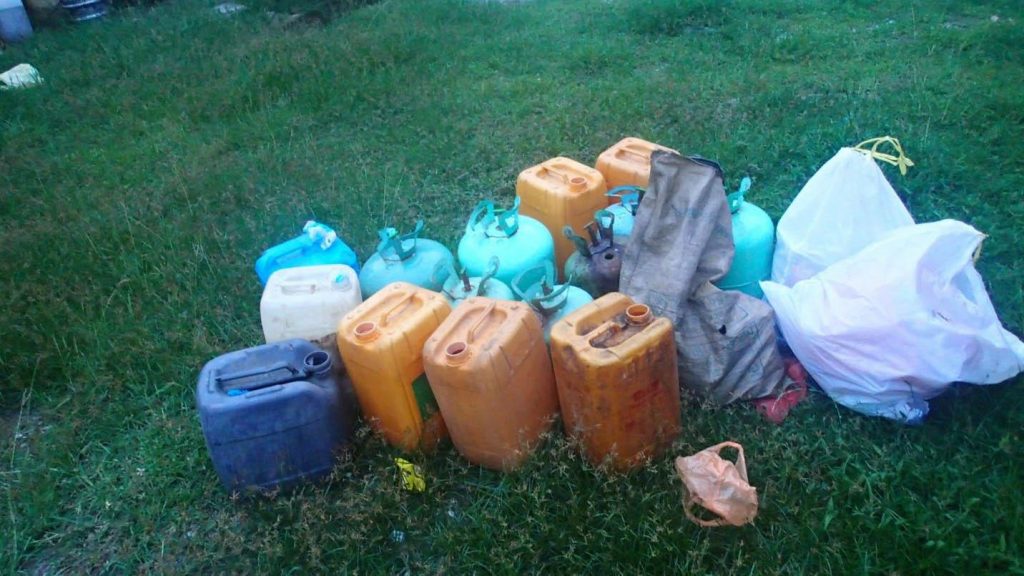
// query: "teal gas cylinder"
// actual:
[[519, 242], [753, 235], [461, 286], [536, 286], [625, 209], [405, 258]]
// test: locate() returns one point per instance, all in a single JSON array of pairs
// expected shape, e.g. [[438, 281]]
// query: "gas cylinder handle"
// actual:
[[605, 231], [489, 272], [582, 246], [391, 239], [508, 220], [444, 270], [471, 334], [736, 198], [483, 213], [629, 196], [539, 293]]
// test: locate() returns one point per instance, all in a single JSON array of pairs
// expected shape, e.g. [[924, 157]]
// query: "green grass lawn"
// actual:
[[170, 145]]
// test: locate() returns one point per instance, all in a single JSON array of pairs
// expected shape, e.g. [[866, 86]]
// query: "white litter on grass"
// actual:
[[226, 8], [21, 76]]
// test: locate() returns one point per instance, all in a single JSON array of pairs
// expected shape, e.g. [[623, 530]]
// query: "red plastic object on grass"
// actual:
[[776, 408]]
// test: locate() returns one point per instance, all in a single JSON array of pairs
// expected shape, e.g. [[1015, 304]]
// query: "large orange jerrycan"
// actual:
[[491, 373], [618, 383], [561, 192], [381, 343], [628, 163]]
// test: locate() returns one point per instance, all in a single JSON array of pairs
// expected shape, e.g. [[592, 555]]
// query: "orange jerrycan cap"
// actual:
[[366, 331], [639, 315], [456, 353]]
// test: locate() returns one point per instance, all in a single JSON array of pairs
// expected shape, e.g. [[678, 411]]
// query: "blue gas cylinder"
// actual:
[[319, 244], [536, 286], [625, 210], [405, 258], [753, 235], [519, 242]]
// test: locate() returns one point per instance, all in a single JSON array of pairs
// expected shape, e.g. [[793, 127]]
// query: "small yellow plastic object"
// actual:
[[412, 476]]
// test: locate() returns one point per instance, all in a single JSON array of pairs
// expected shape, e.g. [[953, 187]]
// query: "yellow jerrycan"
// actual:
[[381, 344], [628, 163], [561, 192], [491, 373], [618, 382]]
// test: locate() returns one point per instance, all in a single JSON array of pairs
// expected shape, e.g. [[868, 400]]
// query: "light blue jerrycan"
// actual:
[[405, 258], [753, 235], [625, 210], [536, 286], [519, 242], [319, 244], [461, 286]]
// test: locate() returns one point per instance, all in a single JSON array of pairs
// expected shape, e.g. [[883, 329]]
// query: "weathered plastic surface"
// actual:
[[405, 258], [618, 386], [308, 301], [519, 242], [317, 245], [561, 192], [381, 343], [460, 286], [491, 373], [628, 163], [596, 264], [272, 415], [753, 238], [14, 22], [536, 286]]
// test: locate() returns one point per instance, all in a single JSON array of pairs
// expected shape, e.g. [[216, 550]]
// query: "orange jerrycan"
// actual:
[[561, 192], [628, 163], [618, 383], [381, 344], [490, 370]]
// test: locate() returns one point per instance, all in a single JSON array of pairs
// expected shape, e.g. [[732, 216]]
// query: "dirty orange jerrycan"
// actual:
[[618, 383], [628, 163], [381, 343], [561, 192], [491, 373]]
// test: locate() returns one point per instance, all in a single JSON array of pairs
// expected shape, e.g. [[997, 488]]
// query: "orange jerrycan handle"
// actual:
[[471, 334], [399, 307], [573, 181], [630, 150]]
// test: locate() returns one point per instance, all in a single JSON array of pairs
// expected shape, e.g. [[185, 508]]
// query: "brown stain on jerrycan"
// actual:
[[491, 373], [618, 382], [628, 163], [381, 343], [561, 192]]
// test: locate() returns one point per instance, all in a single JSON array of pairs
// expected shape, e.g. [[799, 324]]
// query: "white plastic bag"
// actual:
[[845, 206], [891, 327]]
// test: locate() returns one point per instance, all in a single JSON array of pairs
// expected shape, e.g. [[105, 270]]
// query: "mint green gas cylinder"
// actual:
[[405, 258], [552, 302], [519, 242], [625, 209], [753, 235], [460, 286]]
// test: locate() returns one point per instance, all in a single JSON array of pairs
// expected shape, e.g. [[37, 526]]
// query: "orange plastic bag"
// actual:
[[717, 485]]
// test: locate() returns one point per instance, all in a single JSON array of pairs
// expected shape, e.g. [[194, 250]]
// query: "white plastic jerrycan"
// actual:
[[308, 302]]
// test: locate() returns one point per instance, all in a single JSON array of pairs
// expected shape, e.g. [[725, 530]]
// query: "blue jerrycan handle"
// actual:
[[535, 286], [313, 234], [391, 240], [736, 198]]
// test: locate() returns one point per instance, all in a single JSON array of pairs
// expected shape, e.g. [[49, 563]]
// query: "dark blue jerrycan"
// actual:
[[273, 415]]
